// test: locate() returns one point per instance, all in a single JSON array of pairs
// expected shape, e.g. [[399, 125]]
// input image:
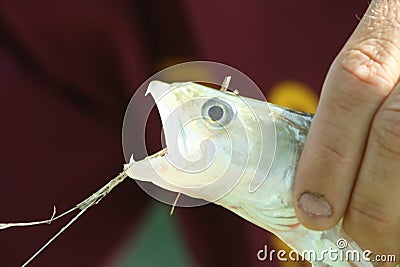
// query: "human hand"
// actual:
[[350, 165]]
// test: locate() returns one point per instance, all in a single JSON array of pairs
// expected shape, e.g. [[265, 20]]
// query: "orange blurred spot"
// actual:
[[294, 95]]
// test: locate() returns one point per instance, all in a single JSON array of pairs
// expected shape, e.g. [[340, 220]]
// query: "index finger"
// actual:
[[360, 78]]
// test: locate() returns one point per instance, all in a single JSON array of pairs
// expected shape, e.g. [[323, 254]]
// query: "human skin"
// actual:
[[350, 165]]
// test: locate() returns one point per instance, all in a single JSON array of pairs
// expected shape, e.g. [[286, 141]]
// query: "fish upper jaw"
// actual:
[[161, 93], [168, 109]]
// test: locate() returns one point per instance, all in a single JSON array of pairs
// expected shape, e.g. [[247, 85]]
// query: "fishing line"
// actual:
[[83, 206]]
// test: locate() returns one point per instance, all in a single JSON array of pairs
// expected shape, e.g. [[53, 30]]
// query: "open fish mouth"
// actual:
[[189, 150]]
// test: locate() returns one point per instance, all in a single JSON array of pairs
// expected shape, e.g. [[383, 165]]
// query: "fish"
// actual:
[[239, 153], [233, 151]]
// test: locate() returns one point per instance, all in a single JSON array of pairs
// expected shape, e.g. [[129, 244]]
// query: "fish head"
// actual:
[[215, 140]]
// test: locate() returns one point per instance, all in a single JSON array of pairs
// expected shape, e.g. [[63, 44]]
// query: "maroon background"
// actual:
[[67, 72]]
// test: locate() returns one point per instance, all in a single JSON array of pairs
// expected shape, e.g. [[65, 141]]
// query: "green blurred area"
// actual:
[[157, 242]]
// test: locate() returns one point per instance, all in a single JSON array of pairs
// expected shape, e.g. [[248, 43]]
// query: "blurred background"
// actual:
[[67, 72]]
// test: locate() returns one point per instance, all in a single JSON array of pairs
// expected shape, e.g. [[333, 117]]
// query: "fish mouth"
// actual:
[[166, 104], [174, 120], [187, 146]]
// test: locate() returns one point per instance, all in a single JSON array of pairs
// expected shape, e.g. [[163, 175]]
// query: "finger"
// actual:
[[360, 78], [373, 215]]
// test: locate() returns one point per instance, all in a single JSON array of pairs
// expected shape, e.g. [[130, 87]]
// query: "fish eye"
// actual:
[[215, 113], [218, 111]]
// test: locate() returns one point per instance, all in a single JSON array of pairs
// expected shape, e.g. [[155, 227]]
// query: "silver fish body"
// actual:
[[239, 153]]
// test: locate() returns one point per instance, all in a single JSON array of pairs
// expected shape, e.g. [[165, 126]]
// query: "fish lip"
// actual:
[[152, 85], [157, 85]]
